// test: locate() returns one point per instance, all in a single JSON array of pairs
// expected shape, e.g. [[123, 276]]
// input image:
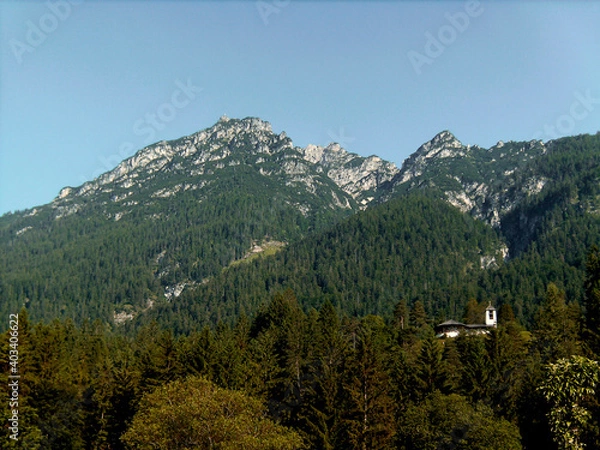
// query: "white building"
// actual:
[[452, 328]]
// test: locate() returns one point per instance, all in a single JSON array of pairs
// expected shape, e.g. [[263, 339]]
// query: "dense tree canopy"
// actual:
[[329, 343], [195, 413], [319, 380]]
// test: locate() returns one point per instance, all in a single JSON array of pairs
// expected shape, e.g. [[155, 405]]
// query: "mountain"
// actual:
[[175, 214], [512, 186], [527, 216], [410, 248], [180, 231], [482, 182], [542, 198], [312, 178], [307, 278]]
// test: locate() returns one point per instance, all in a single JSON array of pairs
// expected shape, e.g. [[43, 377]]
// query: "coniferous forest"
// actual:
[[141, 318], [299, 225], [289, 379]]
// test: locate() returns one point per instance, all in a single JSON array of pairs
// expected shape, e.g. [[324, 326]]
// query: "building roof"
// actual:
[[478, 325], [454, 323], [449, 323]]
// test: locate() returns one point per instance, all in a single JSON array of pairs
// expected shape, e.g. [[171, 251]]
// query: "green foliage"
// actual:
[[414, 248], [339, 382], [195, 413], [558, 326], [368, 409], [90, 265], [591, 330], [507, 351], [568, 384], [430, 366], [321, 416], [451, 422], [304, 330]]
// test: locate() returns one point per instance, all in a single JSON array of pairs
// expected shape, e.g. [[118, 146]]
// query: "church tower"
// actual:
[[491, 320]]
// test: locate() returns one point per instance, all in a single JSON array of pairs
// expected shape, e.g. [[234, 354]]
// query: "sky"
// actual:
[[85, 84]]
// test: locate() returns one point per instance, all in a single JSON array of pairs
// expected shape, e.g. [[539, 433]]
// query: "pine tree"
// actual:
[[507, 352], [430, 366], [419, 320], [505, 314], [451, 367], [401, 316], [591, 332], [474, 312], [476, 370], [321, 412], [557, 326], [368, 409]]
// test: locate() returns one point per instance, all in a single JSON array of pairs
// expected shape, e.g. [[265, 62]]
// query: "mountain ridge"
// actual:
[[355, 175], [177, 213]]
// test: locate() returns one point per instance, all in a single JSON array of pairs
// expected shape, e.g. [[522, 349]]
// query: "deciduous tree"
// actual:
[[195, 413], [568, 384]]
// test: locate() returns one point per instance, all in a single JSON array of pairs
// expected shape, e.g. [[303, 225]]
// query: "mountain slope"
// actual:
[[174, 214], [512, 186], [412, 248], [482, 182], [174, 231], [541, 198]]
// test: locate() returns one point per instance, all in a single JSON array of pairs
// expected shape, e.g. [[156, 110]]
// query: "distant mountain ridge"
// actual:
[[175, 214], [232, 142], [179, 213], [497, 185], [474, 179]]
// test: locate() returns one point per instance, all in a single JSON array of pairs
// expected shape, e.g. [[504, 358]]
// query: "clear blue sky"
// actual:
[[83, 84]]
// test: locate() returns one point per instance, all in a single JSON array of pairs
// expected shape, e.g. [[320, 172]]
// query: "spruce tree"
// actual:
[[368, 409], [557, 326], [591, 331]]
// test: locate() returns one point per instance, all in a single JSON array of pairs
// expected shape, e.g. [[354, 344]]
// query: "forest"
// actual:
[[414, 246], [329, 342], [289, 379], [417, 248]]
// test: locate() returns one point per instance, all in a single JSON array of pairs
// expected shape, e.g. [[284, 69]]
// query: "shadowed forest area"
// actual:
[[287, 379]]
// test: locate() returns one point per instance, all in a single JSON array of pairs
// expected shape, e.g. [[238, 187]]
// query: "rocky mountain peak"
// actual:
[[443, 145], [217, 142], [248, 124], [196, 161], [358, 176]]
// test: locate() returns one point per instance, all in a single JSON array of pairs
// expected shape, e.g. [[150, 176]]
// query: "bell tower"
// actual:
[[491, 320]]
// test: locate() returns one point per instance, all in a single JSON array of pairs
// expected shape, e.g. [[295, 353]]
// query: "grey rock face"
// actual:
[[231, 143]]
